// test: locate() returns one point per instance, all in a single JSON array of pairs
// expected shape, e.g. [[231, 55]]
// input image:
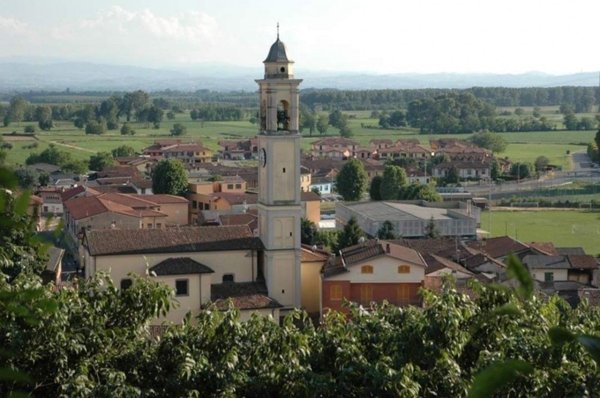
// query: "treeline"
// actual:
[[215, 112], [582, 99]]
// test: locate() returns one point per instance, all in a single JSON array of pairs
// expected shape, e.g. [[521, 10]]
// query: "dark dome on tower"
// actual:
[[277, 52]]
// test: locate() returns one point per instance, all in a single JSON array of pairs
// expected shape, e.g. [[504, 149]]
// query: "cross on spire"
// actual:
[[277, 30]]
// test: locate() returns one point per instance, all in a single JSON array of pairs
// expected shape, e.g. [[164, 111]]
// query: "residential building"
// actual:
[[367, 273], [189, 153], [239, 149]]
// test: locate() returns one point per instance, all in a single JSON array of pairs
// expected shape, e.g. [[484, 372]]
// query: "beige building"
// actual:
[[123, 211], [200, 264]]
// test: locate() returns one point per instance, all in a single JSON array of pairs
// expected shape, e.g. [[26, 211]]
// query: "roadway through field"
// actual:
[[71, 146]]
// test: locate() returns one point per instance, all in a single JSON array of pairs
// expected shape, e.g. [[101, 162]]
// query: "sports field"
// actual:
[[565, 228]]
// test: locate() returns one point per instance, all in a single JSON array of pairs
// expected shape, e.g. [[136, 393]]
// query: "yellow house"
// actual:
[[201, 264], [312, 261]]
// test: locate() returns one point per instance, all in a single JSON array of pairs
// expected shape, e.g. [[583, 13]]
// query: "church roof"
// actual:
[[277, 52]]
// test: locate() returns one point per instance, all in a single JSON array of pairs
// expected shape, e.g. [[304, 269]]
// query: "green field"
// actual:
[[565, 228], [522, 146]]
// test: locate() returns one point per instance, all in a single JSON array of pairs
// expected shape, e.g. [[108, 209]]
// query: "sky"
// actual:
[[375, 36]]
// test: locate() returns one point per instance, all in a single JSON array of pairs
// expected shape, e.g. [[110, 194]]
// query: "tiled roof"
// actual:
[[436, 263], [244, 296], [362, 251], [180, 266], [180, 240], [161, 198], [544, 248], [534, 261], [335, 141], [251, 220], [308, 254], [126, 189], [427, 245], [583, 261], [69, 193], [566, 251], [407, 254], [499, 247], [309, 197]]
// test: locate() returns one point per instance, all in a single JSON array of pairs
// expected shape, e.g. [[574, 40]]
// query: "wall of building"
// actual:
[[385, 269], [559, 274], [177, 213], [188, 303], [312, 210], [240, 263], [311, 286]]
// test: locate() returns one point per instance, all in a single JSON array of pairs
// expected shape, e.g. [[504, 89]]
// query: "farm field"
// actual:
[[521, 147], [565, 228]]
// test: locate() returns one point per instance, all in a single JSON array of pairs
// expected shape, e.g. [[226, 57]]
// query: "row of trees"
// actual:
[[581, 99], [216, 112]]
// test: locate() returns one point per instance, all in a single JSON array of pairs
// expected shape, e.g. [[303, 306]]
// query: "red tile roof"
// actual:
[[172, 240]]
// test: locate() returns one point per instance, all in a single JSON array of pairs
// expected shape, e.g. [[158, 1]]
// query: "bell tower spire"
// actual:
[[279, 206]]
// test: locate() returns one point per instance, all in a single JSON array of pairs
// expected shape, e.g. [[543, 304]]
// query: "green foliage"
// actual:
[[386, 231], [95, 127], [431, 229], [350, 235], [493, 142], [122, 151], [521, 170], [178, 129], [541, 162], [393, 179], [308, 232], [169, 177], [126, 129], [351, 181], [375, 188], [100, 161], [322, 124]]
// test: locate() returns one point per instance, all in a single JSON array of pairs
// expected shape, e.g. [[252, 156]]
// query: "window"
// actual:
[[181, 287], [149, 226], [404, 269], [229, 186], [548, 276], [335, 292], [238, 186], [366, 269], [228, 278], [366, 294], [194, 204], [126, 283], [158, 225]]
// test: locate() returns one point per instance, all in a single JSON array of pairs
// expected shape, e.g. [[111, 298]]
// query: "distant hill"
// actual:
[[23, 75]]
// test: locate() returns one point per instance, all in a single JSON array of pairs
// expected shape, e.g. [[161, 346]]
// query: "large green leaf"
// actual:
[[517, 270], [497, 375]]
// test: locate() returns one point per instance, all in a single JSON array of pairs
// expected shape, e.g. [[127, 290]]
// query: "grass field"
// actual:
[[565, 228], [522, 146]]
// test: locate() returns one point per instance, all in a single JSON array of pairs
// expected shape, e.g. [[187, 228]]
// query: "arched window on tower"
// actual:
[[283, 116]]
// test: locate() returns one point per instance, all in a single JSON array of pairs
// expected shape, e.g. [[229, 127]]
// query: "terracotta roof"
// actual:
[[126, 189], [85, 206], [310, 255], [406, 253], [34, 199], [500, 246], [583, 261], [180, 266], [161, 198], [175, 240], [251, 220], [335, 141], [69, 193], [436, 263], [244, 296], [544, 248], [309, 197], [427, 245], [362, 251]]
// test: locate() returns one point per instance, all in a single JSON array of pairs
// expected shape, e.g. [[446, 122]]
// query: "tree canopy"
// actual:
[[351, 181], [169, 177], [493, 142], [393, 179]]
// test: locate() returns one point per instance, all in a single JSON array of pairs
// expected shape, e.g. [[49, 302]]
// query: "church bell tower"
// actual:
[[279, 207]]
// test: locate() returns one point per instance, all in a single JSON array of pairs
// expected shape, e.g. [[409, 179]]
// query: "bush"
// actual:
[[29, 129]]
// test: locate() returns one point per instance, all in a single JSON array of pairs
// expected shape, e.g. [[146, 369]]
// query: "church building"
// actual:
[[260, 274]]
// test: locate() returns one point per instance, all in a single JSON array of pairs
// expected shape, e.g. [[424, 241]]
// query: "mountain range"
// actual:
[[18, 75]]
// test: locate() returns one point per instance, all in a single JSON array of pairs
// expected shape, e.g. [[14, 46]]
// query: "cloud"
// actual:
[[12, 26]]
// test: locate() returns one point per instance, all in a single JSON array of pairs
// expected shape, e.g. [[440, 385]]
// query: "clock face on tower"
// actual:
[[262, 157]]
